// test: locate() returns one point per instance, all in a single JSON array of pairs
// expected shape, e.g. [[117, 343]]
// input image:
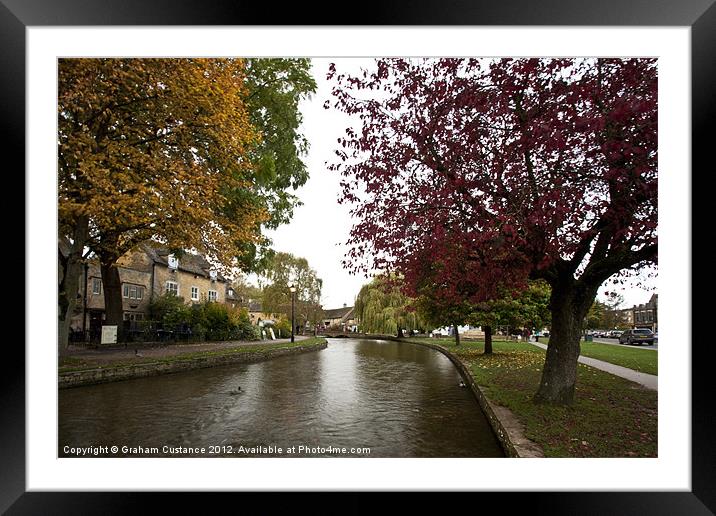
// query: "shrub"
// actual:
[[218, 324], [284, 326], [207, 320], [243, 329], [169, 309]]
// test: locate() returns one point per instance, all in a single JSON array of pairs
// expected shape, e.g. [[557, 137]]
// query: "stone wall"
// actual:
[[175, 365]]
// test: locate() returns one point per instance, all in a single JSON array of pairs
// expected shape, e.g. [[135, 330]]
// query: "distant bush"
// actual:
[[218, 326], [243, 328], [284, 326], [198, 322]]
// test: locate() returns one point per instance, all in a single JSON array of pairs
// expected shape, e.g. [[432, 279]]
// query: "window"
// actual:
[[133, 316], [212, 295], [172, 288], [96, 286], [133, 292], [172, 261], [195, 293]]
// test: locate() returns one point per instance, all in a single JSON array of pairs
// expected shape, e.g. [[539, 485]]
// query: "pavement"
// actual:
[[120, 353], [649, 381]]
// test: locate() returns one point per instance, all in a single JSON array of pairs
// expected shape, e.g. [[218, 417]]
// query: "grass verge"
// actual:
[[611, 417], [71, 364], [644, 361]]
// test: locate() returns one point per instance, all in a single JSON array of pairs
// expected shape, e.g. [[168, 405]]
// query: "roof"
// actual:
[[255, 306], [338, 313], [188, 262], [652, 303]]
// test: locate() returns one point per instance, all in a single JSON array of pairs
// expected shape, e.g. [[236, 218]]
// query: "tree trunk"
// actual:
[[114, 312], [488, 340], [568, 305], [457, 335], [70, 273]]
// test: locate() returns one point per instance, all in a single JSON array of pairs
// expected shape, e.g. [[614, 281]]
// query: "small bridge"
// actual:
[[337, 334]]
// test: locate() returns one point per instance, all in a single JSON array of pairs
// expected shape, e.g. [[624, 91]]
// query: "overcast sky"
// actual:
[[319, 228]]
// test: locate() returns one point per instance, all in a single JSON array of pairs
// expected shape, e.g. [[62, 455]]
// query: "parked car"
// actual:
[[637, 336]]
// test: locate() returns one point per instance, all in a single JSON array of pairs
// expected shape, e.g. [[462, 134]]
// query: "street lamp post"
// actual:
[[292, 288]]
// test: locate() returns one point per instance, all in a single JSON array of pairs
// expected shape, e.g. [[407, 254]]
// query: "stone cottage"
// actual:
[[148, 271]]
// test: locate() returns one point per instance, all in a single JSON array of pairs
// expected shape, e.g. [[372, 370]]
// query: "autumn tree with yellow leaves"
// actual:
[[152, 149]]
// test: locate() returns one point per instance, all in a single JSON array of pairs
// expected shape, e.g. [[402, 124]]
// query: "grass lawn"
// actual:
[[70, 363], [611, 417], [642, 360]]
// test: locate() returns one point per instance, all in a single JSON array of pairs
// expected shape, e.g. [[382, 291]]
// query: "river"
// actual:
[[357, 398]]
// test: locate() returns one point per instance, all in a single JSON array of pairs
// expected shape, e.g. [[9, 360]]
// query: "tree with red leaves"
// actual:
[[474, 175]]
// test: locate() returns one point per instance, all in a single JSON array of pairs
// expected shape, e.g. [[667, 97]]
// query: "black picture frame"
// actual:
[[700, 15]]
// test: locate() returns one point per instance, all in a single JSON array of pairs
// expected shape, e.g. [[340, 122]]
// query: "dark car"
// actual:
[[637, 336]]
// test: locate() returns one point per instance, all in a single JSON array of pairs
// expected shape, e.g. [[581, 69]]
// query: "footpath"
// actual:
[[649, 381], [79, 367], [105, 356]]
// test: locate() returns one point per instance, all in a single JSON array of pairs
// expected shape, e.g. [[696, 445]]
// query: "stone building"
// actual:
[[189, 276], [646, 315], [339, 318], [627, 316], [146, 272], [231, 298], [257, 314]]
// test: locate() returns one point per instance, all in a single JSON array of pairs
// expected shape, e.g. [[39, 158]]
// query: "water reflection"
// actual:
[[398, 399]]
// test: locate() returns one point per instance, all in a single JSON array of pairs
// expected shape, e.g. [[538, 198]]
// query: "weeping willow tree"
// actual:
[[382, 308]]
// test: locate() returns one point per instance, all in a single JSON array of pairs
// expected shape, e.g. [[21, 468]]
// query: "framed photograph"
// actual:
[[679, 36]]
